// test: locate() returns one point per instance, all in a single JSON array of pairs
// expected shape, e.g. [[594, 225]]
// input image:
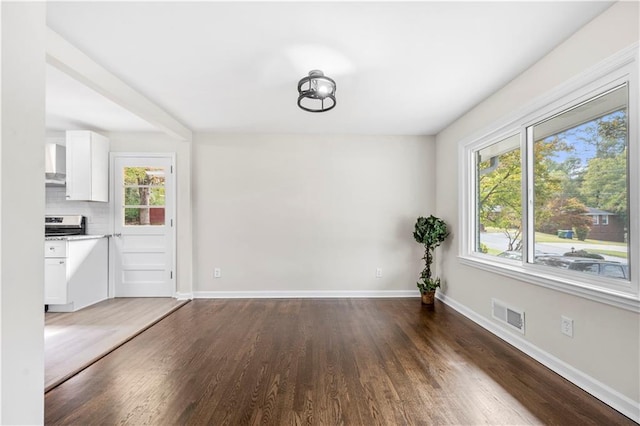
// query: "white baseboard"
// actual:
[[292, 294], [606, 394]]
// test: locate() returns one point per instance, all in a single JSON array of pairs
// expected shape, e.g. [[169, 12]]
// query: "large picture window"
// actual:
[[580, 169], [553, 194]]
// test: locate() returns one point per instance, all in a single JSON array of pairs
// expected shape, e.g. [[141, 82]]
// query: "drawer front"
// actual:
[[55, 249]]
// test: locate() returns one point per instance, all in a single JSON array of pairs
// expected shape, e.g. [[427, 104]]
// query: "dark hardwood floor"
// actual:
[[320, 361]]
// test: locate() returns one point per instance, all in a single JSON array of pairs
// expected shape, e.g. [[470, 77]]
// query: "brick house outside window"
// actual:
[[606, 226]]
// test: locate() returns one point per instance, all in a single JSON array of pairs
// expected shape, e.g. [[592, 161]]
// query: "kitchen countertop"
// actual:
[[76, 237]]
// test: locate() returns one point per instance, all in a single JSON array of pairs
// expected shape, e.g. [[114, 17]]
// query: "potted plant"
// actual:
[[430, 232]]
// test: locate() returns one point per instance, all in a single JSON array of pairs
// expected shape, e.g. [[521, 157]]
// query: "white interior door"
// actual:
[[144, 205]]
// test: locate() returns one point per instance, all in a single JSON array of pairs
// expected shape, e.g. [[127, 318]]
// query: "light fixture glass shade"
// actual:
[[316, 92]]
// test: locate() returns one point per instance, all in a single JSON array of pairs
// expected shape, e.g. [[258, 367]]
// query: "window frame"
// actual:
[[619, 69]]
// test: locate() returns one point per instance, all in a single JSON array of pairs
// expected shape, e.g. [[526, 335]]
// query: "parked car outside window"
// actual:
[[605, 268]]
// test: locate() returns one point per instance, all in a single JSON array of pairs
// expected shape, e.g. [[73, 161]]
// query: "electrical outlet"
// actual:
[[217, 273], [566, 326], [378, 272]]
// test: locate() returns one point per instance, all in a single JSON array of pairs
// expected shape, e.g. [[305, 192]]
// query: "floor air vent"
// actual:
[[510, 316]]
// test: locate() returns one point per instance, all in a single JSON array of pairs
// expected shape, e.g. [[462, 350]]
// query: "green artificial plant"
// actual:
[[430, 232]]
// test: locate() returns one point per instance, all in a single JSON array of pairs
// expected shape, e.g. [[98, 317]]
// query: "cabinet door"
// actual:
[[78, 165], [87, 166], [55, 281], [99, 168]]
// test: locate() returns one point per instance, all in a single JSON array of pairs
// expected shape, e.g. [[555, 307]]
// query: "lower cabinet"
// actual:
[[55, 281], [79, 276]]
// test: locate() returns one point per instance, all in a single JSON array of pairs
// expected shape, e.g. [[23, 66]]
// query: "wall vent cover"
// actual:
[[508, 315]]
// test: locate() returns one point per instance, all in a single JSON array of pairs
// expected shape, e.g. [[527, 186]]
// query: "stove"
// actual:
[[64, 225]]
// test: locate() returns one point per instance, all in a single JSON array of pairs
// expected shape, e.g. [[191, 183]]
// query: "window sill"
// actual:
[[574, 287]]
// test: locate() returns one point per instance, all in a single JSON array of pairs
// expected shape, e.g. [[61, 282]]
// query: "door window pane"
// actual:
[[156, 216], [581, 184], [143, 176], [499, 200], [144, 196], [136, 216], [131, 216]]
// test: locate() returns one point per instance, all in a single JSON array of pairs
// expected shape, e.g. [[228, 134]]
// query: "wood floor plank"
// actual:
[[320, 361]]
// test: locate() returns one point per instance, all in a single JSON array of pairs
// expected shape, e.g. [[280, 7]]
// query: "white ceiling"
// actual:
[[400, 67], [73, 106]]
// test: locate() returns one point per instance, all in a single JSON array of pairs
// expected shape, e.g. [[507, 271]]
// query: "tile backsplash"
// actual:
[[97, 214]]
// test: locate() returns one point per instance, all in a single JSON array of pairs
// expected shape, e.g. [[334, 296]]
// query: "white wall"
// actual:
[[98, 214], [21, 213], [160, 142], [294, 214], [606, 342]]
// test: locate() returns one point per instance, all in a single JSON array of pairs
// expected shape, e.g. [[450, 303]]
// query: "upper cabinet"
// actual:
[[87, 166]]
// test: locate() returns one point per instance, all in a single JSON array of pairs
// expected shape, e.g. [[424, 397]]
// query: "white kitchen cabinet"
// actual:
[[55, 281], [78, 276], [55, 248], [87, 166]]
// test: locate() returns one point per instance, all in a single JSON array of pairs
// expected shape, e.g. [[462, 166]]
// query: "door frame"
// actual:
[[172, 214]]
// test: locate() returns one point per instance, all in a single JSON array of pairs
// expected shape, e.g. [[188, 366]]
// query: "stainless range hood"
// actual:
[[55, 165]]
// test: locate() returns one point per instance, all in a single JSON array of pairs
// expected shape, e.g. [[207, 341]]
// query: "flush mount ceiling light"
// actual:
[[317, 92]]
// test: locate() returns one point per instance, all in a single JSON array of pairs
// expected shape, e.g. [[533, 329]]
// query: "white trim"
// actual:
[[620, 67], [69, 59], [303, 294], [562, 281], [606, 394]]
